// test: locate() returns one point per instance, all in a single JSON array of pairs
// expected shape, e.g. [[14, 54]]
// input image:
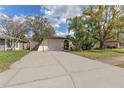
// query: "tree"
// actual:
[[75, 25], [41, 28], [82, 38], [120, 27], [14, 27], [102, 21], [87, 41]]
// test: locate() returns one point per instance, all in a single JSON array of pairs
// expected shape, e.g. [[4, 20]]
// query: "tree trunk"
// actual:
[[77, 47], [101, 46]]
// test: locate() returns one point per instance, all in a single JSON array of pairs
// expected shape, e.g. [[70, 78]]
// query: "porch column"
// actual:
[[118, 45], [5, 45]]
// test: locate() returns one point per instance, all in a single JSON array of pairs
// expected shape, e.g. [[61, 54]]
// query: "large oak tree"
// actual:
[[103, 21]]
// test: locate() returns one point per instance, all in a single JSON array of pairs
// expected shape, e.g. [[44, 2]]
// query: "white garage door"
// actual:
[[56, 45]]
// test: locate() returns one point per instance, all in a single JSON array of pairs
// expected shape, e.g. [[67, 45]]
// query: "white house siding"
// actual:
[[21, 46], [17, 45], [112, 44]]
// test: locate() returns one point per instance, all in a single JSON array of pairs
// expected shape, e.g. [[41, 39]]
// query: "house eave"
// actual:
[[56, 37]]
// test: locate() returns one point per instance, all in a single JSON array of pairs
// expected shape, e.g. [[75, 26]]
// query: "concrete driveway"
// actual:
[[61, 69], [113, 60]]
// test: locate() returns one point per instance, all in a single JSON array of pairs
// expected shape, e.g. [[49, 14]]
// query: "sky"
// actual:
[[57, 14]]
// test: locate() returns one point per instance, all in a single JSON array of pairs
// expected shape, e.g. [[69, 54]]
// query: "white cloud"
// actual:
[[2, 15], [58, 14], [48, 12], [63, 20], [61, 11], [59, 33], [64, 11], [54, 22], [57, 25], [20, 18]]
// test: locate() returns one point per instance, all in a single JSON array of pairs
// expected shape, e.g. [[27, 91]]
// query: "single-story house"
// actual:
[[55, 43], [22, 44], [114, 44], [7, 41]]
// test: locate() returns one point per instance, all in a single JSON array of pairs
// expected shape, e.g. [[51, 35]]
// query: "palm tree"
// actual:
[[82, 37]]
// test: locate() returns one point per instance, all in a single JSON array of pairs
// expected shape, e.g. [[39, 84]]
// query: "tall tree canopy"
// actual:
[[76, 26], [102, 21], [82, 38], [13, 26], [41, 28], [99, 23]]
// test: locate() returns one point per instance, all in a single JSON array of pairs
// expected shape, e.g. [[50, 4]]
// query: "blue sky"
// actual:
[[57, 15], [21, 9]]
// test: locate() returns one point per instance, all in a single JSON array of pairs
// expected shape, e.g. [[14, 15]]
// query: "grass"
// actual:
[[9, 57], [97, 54]]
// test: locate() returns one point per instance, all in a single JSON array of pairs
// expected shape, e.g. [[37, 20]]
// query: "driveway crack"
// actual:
[[64, 69], [12, 78]]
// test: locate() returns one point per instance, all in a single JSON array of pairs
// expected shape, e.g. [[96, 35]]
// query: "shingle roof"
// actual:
[[56, 37], [3, 36]]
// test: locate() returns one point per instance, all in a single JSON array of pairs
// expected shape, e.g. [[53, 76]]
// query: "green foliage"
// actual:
[[87, 41], [97, 23], [82, 38], [103, 21]]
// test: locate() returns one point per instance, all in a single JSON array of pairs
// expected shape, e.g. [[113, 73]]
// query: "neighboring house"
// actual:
[[4, 45], [117, 42], [114, 44], [21, 44], [5, 42], [121, 44], [55, 43]]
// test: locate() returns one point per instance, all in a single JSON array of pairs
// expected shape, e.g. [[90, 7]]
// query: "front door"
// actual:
[[66, 45]]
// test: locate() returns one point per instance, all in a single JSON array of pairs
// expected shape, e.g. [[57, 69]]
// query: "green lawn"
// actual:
[[9, 57], [96, 54]]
